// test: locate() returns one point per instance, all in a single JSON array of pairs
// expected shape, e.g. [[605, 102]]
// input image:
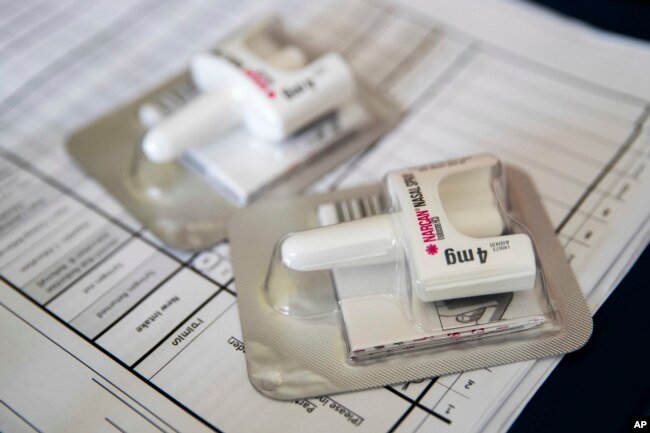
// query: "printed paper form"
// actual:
[[68, 238], [51, 380]]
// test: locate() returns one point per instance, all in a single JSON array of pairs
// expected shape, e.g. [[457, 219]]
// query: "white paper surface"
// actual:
[[564, 102]]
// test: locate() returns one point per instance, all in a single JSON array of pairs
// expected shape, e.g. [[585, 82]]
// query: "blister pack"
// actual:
[[260, 115], [444, 268]]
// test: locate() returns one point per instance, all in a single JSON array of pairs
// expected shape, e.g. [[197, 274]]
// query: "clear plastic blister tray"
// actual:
[[319, 319], [186, 202]]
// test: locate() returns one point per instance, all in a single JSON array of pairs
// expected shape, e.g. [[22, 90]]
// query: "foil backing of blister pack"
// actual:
[[292, 355]]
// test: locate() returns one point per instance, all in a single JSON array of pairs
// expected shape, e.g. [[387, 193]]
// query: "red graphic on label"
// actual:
[[432, 249], [261, 81]]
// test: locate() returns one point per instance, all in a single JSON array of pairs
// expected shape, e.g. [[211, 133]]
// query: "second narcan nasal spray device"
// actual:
[[264, 113], [255, 80], [445, 267]]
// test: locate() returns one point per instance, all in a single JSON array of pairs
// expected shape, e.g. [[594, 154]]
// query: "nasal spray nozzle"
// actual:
[[448, 221], [258, 80]]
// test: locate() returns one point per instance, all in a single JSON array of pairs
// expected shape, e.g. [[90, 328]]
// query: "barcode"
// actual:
[[351, 209]]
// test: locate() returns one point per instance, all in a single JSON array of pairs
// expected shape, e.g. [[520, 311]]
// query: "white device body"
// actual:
[[448, 222], [271, 90]]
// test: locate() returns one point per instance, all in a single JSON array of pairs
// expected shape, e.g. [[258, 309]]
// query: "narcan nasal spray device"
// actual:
[[447, 220], [256, 80]]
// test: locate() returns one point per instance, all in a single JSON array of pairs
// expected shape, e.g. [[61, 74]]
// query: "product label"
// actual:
[[428, 233], [453, 257], [299, 88], [259, 77]]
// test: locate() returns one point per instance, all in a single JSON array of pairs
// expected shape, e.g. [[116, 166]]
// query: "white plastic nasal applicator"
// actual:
[[271, 90], [449, 224]]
